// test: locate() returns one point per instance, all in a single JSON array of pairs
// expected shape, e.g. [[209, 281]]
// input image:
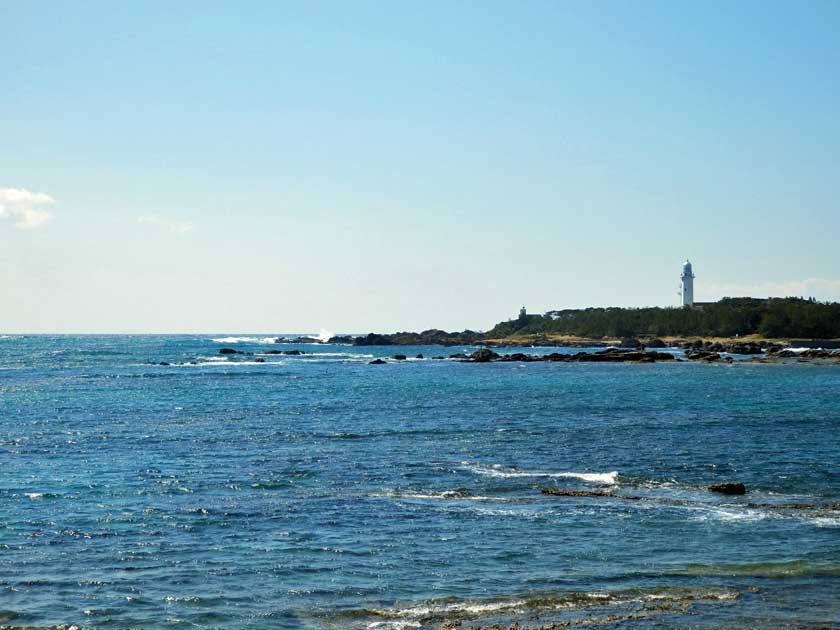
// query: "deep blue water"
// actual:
[[318, 491]]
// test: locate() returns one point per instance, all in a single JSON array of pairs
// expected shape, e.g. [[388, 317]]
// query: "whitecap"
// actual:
[[34, 495], [244, 339], [609, 478], [234, 339], [324, 335], [447, 495], [418, 612]]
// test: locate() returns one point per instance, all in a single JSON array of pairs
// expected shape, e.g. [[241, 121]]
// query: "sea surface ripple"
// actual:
[[150, 482]]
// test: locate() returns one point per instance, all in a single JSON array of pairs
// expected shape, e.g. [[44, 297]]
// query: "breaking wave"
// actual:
[[496, 470]]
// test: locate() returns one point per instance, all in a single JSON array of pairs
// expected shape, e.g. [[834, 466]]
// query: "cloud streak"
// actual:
[[24, 208], [820, 288], [178, 227]]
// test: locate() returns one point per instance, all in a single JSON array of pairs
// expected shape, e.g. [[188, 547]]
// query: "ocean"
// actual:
[[252, 491]]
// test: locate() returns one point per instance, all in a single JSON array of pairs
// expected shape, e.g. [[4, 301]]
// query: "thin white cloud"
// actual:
[[22, 207], [819, 288], [178, 227]]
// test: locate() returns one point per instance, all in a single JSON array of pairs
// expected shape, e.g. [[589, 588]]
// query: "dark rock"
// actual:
[[429, 337], [164, 363], [616, 355], [372, 340], [517, 356], [230, 351], [439, 358], [259, 360], [377, 362], [563, 492], [483, 355], [702, 355], [305, 340], [400, 357], [294, 353], [728, 488], [630, 342], [273, 352], [655, 343], [341, 339], [419, 356], [743, 348]]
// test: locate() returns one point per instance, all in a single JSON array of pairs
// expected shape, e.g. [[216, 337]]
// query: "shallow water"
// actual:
[[318, 491]]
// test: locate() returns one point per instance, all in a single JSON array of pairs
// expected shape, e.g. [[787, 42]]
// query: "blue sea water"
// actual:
[[318, 491]]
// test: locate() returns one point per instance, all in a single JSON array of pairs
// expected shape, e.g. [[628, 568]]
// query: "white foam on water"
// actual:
[[416, 612], [348, 355], [448, 495], [223, 362], [34, 495], [244, 339], [609, 478], [324, 335], [729, 515]]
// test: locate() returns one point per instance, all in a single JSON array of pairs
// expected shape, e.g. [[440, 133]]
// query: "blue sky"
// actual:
[[266, 167]]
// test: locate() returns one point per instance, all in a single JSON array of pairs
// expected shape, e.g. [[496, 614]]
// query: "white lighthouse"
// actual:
[[687, 278]]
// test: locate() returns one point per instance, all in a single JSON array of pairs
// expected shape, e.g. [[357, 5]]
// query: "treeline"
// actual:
[[776, 317]]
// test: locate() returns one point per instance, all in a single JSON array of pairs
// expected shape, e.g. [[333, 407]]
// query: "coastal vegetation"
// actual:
[[730, 317]]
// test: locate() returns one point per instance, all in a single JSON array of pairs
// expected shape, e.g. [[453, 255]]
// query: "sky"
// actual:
[[359, 166]]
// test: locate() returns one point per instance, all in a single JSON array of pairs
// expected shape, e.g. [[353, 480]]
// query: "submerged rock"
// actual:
[[294, 352], [230, 351], [728, 488], [702, 355], [377, 362], [399, 357], [563, 492]]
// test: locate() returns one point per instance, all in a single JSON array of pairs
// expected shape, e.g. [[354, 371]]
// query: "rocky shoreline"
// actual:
[[436, 337], [624, 355]]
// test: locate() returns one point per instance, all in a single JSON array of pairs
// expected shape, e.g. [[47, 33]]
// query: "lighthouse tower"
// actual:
[[687, 278]]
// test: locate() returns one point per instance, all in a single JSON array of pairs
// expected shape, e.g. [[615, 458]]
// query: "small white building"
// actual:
[[687, 278]]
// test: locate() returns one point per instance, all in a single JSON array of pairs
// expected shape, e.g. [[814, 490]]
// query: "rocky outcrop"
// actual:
[[231, 351], [617, 355], [702, 355], [735, 488], [377, 362], [484, 355], [610, 355], [298, 340], [431, 337], [814, 353], [341, 339], [563, 492], [655, 343], [399, 357]]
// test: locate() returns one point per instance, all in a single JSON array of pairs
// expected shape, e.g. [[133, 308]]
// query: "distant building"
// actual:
[[687, 278]]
